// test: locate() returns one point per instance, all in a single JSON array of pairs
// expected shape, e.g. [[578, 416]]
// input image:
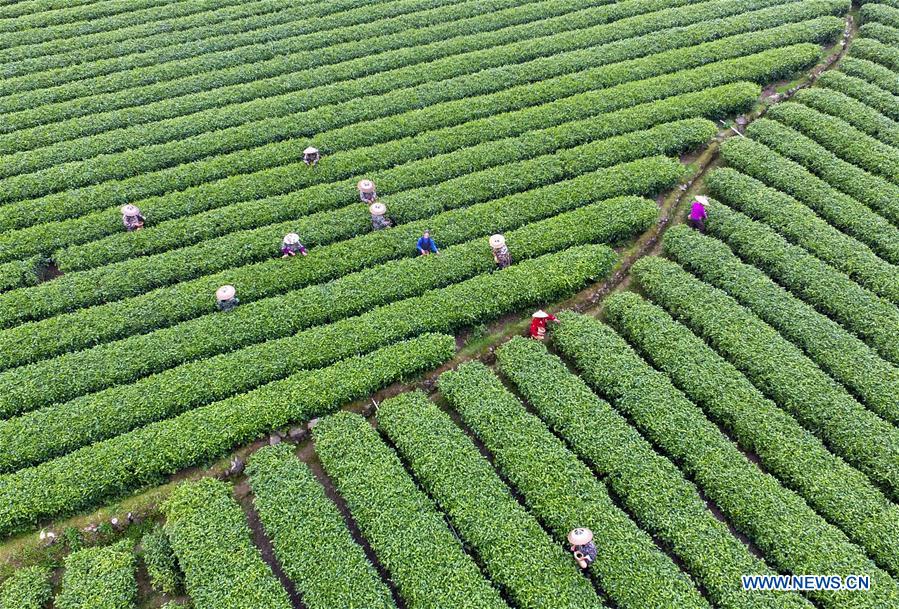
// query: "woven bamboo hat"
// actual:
[[130, 210], [291, 238], [497, 241], [311, 150], [579, 537], [226, 292], [377, 209], [366, 186], [541, 314]]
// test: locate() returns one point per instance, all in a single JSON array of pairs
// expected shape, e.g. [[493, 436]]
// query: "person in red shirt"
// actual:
[[538, 324]]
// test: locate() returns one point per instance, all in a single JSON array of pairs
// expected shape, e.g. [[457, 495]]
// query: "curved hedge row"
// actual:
[[106, 469], [876, 52], [777, 520], [872, 190], [840, 210], [223, 569], [252, 175], [563, 492], [69, 22], [875, 78], [305, 528], [518, 555], [159, 151], [873, 319], [223, 36], [852, 145], [778, 368], [867, 82], [186, 300], [205, 138], [99, 578], [112, 110], [801, 226], [874, 12], [312, 50], [122, 26], [592, 116], [668, 138], [85, 42], [17, 8], [408, 534], [649, 485], [880, 32], [233, 20], [19, 273], [27, 588], [252, 65], [855, 112], [188, 386], [410, 537], [835, 490], [233, 252], [847, 358], [67, 426], [869, 377], [640, 177]]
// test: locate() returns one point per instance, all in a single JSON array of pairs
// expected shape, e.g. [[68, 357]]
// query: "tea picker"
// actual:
[[426, 245], [226, 298], [291, 246], [311, 156], [582, 546], [379, 219], [538, 324], [367, 191], [698, 213], [132, 218], [501, 254]]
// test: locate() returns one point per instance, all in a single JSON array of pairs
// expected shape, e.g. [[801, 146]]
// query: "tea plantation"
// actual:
[[265, 267]]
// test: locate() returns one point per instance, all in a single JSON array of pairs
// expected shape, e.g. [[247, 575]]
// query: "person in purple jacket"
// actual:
[[698, 213], [291, 246]]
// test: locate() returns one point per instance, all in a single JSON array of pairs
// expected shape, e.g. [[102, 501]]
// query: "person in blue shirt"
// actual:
[[426, 245]]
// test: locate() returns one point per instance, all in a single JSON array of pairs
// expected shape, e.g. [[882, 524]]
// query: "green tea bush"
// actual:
[[649, 485], [518, 555], [97, 472], [99, 578], [835, 490], [408, 534], [162, 566], [27, 588], [222, 568], [307, 530], [564, 494], [778, 367]]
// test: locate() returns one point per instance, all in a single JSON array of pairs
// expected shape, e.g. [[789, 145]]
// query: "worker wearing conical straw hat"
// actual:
[[291, 246], [367, 191], [132, 218], [379, 219], [226, 298], [311, 156], [501, 254], [538, 324], [582, 546], [699, 213]]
